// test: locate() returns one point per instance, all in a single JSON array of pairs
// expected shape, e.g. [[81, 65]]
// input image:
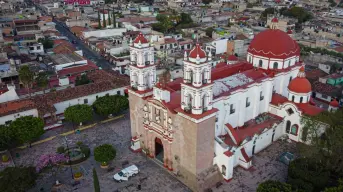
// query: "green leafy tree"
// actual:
[[18, 179], [206, 2], [27, 129], [164, 23], [96, 181], [47, 43], [42, 80], [267, 12], [113, 104], [82, 80], [103, 19], [185, 18], [109, 18], [339, 188], [26, 77], [78, 113], [99, 20], [306, 174], [104, 153], [209, 31], [274, 186], [7, 137]]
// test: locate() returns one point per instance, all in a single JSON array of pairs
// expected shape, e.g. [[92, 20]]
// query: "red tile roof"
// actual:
[[326, 89], [300, 84], [77, 69], [16, 106], [197, 50], [306, 108], [334, 103], [64, 48], [140, 38]]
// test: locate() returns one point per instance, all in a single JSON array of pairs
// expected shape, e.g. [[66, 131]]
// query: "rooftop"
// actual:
[[66, 58], [16, 106]]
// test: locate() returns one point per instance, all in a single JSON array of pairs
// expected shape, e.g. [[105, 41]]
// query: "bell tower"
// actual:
[[196, 89], [142, 67]]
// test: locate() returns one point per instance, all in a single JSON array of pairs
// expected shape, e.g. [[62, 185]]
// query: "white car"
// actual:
[[126, 173]]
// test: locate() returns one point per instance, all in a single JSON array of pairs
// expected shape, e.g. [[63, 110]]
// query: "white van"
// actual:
[[126, 173]]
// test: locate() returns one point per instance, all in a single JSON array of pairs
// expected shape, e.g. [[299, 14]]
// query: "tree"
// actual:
[[82, 80], [274, 186], [267, 12], [42, 80], [47, 43], [7, 137], [206, 2], [27, 129], [185, 18], [164, 23], [339, 188], [209, 31], [99, 20], [96, 181], [104, 153], [103, 19], [17, 179], [109, 18], [306, 174], [49, 160], [26, 77], [78, 113], [229, 23], [113, 104]]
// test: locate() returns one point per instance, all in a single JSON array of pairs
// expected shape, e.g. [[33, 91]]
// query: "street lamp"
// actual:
[[71, 170]]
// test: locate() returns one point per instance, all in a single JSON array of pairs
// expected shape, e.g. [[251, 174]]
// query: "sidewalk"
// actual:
[[68, 129]]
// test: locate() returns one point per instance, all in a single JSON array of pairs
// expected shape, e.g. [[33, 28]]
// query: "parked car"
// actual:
[[126, 173]]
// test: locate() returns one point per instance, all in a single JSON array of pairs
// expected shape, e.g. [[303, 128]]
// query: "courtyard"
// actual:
[[152, 177], [117, 133]]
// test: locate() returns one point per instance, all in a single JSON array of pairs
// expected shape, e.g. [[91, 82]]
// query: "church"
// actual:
[[216, 118]]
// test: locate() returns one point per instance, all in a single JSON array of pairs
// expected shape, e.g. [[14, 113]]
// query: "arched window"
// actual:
[[249, 59], [294, 129], [204, 79], [290, 78], [260, 63], [289, 63], [275, 65], [205, 101], [288, 126], [293, 98], [223, 170], [301, 99], [146, 58]]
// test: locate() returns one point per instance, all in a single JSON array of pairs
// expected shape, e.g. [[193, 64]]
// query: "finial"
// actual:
[[185, 56]]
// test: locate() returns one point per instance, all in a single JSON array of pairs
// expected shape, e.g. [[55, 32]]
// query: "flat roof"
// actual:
[[66, 58]]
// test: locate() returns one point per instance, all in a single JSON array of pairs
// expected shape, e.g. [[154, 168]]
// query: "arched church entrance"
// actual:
[[159, 151]]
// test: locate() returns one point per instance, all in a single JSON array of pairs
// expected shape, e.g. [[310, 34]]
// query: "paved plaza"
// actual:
[[152, 177]]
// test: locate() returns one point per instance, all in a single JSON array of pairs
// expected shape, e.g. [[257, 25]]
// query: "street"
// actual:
[[87, 52]]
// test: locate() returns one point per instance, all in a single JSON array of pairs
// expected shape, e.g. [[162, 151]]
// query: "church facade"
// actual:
[[214, 119]]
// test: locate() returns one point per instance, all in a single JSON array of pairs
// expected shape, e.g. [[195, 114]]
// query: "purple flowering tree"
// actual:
[[50, 160]]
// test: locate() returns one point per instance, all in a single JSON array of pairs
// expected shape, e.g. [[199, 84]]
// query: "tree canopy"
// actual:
[[42, 80], [78, 113], [82, 80], [104, 153], [26, 76], [27, 128], [209, 31], [18, 179], [7, 137], [296, 12], [274, 186], [47, 43], [164, 23], [110, 104], [206, 2]]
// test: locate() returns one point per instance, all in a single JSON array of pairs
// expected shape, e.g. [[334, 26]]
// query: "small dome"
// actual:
[[275, 20], [232, 58], [300, 84], [140, 38], [197, 51], [334, 103]]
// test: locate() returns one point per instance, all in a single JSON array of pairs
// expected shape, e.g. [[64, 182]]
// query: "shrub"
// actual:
[[270, 186], [60, 149], [96, 181], [77, 175], [104, 153], [79, 143], [86, 151], [5, 158]]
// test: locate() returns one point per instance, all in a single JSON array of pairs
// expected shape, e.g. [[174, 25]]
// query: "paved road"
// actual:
[[87, 52]]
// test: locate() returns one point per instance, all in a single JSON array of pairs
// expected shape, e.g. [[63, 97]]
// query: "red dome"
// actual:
[[334, 103], [300, 84], [274, 43], [197, 51], [232, 58], [275, 20], [140, 38]]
